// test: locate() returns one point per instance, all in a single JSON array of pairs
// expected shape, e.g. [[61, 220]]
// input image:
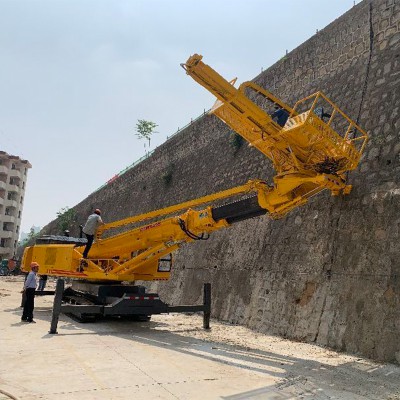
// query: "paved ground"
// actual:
[[171, 357]]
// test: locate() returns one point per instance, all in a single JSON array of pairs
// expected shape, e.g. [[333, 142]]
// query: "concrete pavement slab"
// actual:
[[171, 357]]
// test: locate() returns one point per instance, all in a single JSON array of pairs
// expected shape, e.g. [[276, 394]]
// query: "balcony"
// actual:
[[11, 203], [6, 234], [2, 185], [8, 218], [4, 169], [15, 173], [12, 187]]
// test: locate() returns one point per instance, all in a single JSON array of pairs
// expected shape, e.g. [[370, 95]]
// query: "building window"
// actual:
[[14, 181], [19, 214], [11, 196], [23, 185], [3, 242], [22, 199], [17, 230], [13, 166]]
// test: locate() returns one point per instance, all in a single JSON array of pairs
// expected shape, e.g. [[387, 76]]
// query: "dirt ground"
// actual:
[[170, 357]]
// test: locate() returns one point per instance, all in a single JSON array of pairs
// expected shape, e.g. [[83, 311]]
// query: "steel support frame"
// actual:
[[105, 310]]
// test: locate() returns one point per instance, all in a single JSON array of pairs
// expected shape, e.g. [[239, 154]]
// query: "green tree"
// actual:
[[144, 130], [31, 236], [66, 217]]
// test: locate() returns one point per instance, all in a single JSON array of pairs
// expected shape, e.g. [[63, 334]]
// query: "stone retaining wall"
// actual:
[[329, 272]]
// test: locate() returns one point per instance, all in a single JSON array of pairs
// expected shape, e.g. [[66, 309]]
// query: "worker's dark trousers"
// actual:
[[88, 245], [29, 305]]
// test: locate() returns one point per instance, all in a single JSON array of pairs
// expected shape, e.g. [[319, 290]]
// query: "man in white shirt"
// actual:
[[29, 289], [92, 223]]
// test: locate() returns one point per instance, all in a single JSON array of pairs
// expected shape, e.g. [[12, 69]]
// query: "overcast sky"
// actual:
[[75, 76]]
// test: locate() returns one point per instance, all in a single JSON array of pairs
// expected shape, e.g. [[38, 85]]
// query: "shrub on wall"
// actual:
[[167, 177], [236, 141]]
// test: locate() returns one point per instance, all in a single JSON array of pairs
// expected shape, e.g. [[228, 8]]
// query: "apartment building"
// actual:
[[13, 174]]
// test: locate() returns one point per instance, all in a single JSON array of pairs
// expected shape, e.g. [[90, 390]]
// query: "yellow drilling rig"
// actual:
[[312, 146]]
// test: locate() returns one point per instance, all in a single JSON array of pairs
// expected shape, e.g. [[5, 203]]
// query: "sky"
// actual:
[[77, 75]]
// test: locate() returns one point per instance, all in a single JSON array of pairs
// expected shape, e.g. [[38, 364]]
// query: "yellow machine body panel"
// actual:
[[64, 260], [50, 257]]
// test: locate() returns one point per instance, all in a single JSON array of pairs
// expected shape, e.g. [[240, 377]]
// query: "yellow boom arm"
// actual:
[[308, 153], [140, 253]]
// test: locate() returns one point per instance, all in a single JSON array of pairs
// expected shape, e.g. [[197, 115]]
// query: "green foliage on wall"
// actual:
[[236, 141], [167, 177], [66, 218]]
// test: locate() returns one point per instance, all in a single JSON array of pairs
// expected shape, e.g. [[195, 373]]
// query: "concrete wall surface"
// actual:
[[329, 272]]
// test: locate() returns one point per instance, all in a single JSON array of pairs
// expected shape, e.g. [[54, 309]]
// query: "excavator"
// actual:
[[312, 145]]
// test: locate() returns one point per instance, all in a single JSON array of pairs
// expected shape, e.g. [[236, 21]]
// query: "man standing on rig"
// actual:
[[92, 223]]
